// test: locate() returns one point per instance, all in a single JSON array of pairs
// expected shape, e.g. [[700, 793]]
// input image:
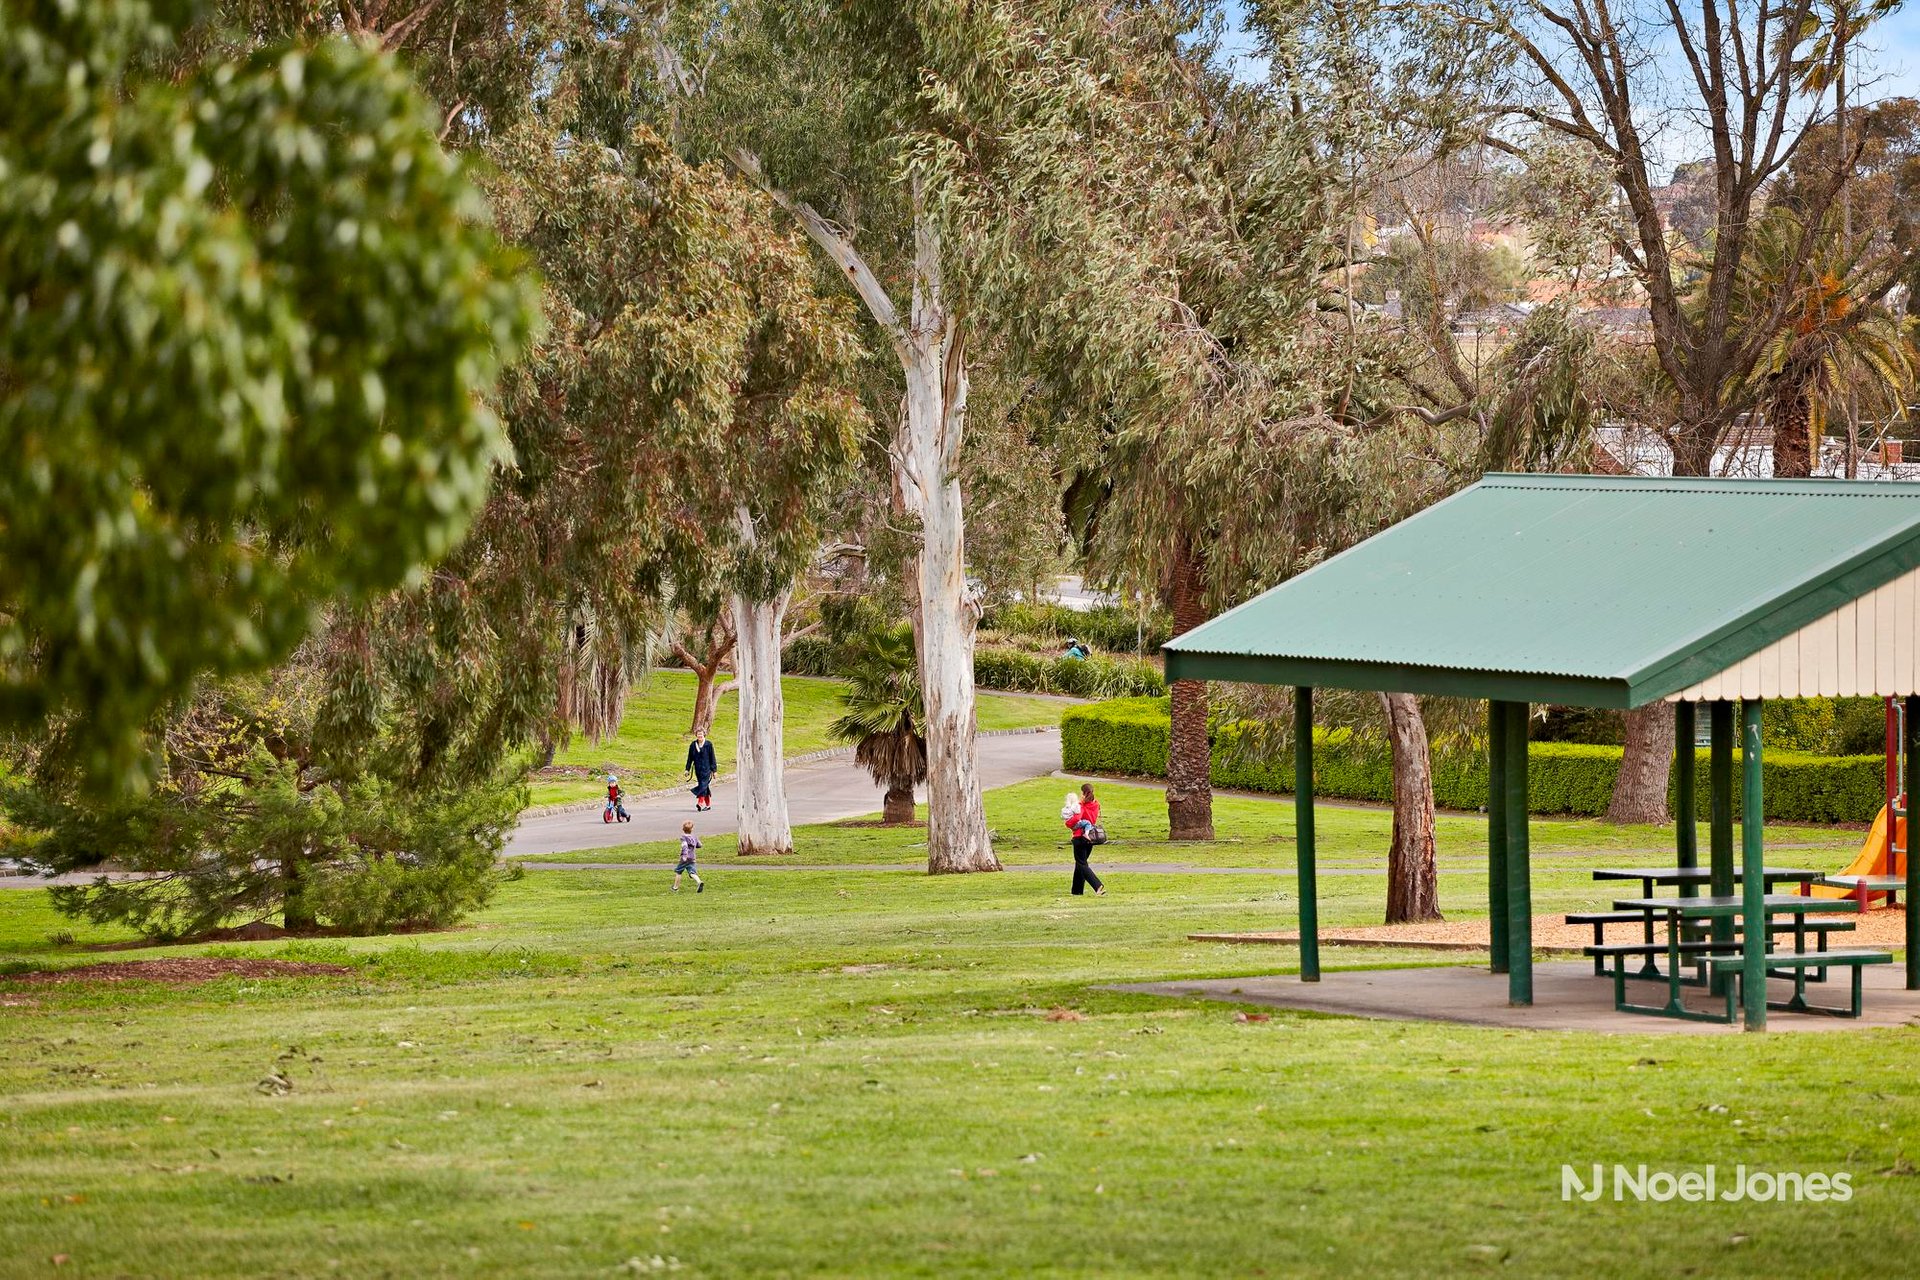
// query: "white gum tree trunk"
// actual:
[[926, 457], [760, 748], [926, 483]]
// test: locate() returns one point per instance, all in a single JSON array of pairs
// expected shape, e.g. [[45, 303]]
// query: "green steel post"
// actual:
[[1720, 828], [1913, 863], [1519, 895], [1303, 833], [1497, 835], [1753, 858], [1686, 839]]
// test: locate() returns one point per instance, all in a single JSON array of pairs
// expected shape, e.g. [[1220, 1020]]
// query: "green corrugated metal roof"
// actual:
[[1594, 590]]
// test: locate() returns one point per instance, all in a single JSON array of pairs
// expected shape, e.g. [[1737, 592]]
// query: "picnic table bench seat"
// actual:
[[1817, 929], [1794, 965], [1862, 887]]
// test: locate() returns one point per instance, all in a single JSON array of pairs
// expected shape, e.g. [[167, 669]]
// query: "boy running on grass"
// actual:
[[688, 843]]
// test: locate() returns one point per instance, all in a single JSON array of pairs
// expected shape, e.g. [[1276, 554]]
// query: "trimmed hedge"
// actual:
[[1129, 736]]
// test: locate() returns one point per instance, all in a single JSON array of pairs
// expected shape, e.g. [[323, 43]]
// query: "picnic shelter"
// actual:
[[1604, 591]]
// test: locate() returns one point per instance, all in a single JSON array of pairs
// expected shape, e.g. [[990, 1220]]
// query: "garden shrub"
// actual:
[[1129, 736], [995, 667], [1109, 627], [813, 656], [1124, 735], [1812, 726]]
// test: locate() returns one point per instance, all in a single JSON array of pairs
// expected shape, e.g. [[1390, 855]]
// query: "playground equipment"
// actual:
[[1879, 871]]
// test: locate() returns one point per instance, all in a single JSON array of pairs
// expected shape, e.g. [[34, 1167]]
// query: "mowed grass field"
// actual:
[[841, 1073], [650, 749]]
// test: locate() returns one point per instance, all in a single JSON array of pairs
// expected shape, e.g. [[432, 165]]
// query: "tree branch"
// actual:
[[835, 243]]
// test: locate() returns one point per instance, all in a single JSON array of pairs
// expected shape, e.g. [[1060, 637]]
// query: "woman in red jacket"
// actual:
[[1081, 824]]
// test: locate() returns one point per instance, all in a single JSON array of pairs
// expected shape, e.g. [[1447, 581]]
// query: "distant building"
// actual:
[[1746, 452]]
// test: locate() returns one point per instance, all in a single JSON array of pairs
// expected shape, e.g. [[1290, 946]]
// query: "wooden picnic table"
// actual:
[[1728, 907]]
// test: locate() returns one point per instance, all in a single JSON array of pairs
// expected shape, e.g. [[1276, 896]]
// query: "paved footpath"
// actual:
[[826, 790], [919, 868]]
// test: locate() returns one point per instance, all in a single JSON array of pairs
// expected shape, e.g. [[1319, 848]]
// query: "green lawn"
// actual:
[[856, 1074], [649, 751], [1253, 833]]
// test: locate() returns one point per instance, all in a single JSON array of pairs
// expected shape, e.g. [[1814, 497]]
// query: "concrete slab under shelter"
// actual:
[[1566, 997]]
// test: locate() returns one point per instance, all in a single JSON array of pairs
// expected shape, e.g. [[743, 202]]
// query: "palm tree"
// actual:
[[883, 717], [1833, 336]]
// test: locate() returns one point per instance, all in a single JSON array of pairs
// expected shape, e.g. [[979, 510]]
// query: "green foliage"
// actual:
[[814, 656], [1592, 725], [1129, 736], [253, 315], [1094, 677], [1110, 627], [884, 714], [850, 618], [846, 622], [261, 810], [1811, 726], [1826, 726], [1122, 735], [999, 667]]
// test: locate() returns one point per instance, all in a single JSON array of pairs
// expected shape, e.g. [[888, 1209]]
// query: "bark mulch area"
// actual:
[[177, 972], [1550, 934], [261, 931]]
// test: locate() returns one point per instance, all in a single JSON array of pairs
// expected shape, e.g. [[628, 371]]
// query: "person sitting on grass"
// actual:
[[688, 843], [1075, 650]]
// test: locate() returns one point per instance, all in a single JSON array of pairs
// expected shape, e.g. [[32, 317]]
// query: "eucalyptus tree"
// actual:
[[1751, 83], [791, 438], [1248, 430], [912, 143], [253, 317]]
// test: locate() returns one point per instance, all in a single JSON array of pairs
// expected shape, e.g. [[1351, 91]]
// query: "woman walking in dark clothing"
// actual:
[[1082, 825], [701, 766]]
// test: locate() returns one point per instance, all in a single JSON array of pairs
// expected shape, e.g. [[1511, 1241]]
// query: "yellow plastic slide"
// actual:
[[1876, 858]]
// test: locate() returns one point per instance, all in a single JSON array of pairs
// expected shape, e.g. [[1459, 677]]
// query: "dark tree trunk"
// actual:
[[1792, 416], [1413, 884], [1640, 793], [897, 809], [1189, 754], [706, 667], [704, 700], [294, 912]]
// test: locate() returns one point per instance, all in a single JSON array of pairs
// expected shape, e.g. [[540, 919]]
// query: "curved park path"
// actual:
[[826, 790]]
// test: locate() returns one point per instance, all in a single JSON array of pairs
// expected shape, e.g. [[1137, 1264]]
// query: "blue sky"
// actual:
[[1889, 62]]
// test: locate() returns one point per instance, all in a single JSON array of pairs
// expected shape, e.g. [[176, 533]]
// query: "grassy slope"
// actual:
[[651, 746], [851, 1074]]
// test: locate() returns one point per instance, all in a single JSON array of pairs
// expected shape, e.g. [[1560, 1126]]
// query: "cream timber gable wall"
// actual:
[[1865, 648]]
